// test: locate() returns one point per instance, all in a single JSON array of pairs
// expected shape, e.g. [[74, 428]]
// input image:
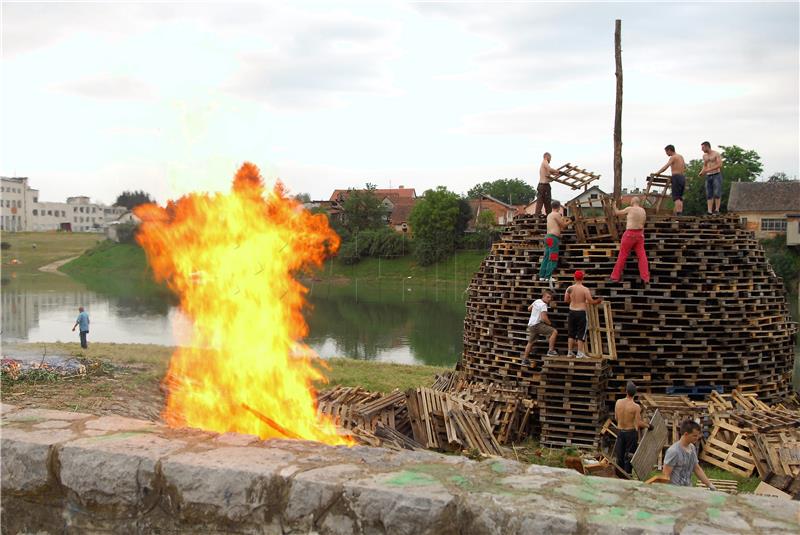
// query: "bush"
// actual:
[[5, 245], [126, 232], [348, 254]]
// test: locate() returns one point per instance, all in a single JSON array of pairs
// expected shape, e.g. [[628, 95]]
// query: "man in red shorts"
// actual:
[[632, 239]]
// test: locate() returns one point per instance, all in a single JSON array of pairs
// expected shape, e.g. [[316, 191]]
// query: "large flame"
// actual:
[[231, 260]]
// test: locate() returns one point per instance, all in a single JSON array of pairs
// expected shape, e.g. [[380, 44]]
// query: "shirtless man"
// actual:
[[632, 239], [712, 170], [543, 189], [677, 167], [578, 296], [556, 222], [628, 415]]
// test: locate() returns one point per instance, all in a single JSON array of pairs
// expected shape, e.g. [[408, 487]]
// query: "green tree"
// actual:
[[780, 176], [435, 221], [303, 197], [510, 190], [132, 199], [738, 165], [363, 210]]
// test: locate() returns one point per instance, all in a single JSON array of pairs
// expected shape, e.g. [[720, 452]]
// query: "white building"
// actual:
[[21, 211]]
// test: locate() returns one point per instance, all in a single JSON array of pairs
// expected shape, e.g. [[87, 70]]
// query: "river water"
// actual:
[[410, 322]]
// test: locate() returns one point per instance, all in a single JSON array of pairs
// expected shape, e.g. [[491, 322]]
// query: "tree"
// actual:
[[780, 176], [132, 199], [435, 221], [738, 165], [510, 190], [363, 210], [303, 197]]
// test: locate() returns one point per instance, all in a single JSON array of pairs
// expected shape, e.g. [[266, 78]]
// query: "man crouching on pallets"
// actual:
[[578, 296]]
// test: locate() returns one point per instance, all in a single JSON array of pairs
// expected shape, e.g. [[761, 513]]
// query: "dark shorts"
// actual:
[[543, 193], [627, 442], [678, 187], [577, 324], [714, 186], [540, 329]]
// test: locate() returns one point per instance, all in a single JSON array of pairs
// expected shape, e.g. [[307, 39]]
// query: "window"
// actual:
[[773, 225], [63, 213], [49, 212], [35, 212]]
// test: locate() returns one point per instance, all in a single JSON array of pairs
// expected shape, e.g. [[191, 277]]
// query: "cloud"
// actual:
[[108, 87]]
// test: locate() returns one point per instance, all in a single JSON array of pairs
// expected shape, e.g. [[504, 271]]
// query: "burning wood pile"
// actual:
[[453, 415]]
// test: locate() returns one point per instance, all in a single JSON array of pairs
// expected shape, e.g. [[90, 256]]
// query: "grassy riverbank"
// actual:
[[49, 247]]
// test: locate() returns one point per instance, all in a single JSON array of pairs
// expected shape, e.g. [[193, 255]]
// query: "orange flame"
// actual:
[[231, 259]]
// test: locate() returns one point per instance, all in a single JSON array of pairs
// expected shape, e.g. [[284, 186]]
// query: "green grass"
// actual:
[[744, 484], [458, 268], [50, 246]]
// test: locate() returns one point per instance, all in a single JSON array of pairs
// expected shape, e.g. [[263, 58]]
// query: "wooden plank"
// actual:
[[646, 455]]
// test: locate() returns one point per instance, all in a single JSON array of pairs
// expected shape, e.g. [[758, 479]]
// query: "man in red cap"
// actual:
[[578, 296]]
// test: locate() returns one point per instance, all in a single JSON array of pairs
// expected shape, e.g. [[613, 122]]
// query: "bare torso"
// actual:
[[677, 164], [627, 413], [579, 296], [712, 162], [554, 223], [544, 172], [636, 217]]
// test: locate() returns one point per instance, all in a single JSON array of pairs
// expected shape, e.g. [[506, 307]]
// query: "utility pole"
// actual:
[[618, 114]]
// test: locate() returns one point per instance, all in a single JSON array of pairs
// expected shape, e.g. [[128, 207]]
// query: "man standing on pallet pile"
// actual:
[[677, 166], [578, 296], [539, 324], [543, 193], [680, 461], [556, 222], [712, 170], [632, 239], [628, 415]]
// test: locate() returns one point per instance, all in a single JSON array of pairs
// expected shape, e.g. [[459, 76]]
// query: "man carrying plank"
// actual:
[[681, 461], [578, 296], [543, 193], [628, 415], [677, 166], [632, 239]]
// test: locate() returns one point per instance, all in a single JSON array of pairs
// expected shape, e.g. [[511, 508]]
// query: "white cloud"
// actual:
[[108, 87]]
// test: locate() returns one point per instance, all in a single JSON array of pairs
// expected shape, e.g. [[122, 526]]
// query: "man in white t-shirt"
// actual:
[[539, 324]]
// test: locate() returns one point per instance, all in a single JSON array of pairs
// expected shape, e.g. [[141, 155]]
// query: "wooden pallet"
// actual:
[[574, 176], [726, 447], [723, 485], [657, 191], [600, 331]]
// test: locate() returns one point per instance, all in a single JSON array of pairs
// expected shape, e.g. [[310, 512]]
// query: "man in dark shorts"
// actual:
[[712, 170], [543, 194], [539, 325], [578, 296], [677, 166], [628, 415]]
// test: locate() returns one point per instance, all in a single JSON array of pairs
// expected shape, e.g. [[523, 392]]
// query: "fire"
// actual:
[[231, 260]]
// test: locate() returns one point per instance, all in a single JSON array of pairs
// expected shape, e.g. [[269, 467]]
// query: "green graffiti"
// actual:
[[713, 513], [116, 436], [643, 515], [499, 468], [409, 478]]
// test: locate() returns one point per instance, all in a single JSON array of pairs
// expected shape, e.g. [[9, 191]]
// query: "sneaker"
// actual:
[[552, 282], [570, 353], [542, 279], [613, 281], [582, 355], [552, 353], [526, 362]]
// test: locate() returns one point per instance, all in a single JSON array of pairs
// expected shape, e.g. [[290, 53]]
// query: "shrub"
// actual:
[[5, 245], [126, 232]]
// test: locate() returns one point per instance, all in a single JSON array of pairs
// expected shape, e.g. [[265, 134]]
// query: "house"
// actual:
[[765, 206], [589, 198], [127, 218], [398, 203], [503, 212], [627, 196]]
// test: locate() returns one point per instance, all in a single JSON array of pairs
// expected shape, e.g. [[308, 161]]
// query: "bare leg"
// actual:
[[678, 206], [710, 203], [528, 348], [553, 341], [569, 344], [716, 204], [580, 346]]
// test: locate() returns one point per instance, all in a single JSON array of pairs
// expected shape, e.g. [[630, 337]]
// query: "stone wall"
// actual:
[[76, 473]]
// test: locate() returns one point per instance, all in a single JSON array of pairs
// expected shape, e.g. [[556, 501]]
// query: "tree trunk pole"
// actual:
[[618, 114]]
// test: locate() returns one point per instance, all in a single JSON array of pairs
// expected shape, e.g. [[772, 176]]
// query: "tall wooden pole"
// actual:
[[618, 114]]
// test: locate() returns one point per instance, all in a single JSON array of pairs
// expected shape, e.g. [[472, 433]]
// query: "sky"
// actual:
[[97, 98]]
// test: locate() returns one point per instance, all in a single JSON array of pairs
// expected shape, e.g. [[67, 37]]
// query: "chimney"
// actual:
[[401, 187]]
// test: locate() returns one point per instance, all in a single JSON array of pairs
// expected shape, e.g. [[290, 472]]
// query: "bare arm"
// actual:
[[624, 211], [76, 324], [545, 318], [594, 300], [616, 412], [702, 477], [530, 307], [640, 423], [667, 471], [568, 295], [564, 222], [669, 162]]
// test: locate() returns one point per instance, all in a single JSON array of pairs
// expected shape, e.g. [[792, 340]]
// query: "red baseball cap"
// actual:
[[579, 275]]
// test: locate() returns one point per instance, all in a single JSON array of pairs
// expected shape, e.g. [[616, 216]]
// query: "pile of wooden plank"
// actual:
[[748, 436], [713, 315], [571, 400], [674, 410]]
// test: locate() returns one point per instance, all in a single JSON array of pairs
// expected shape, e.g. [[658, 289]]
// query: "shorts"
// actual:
[[540, 329], [678, 186], [714, 186], [577, 325], [543, 193]]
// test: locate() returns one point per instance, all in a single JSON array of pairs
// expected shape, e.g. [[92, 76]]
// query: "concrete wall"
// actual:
[[754, 223], [76, 473]]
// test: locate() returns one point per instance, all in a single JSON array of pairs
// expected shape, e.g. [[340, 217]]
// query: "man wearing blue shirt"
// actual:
[[83, 322]]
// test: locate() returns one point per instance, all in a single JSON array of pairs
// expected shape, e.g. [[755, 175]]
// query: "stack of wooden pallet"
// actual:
[[674, 410], [442, 421], [571, 400], [714, 313], [357, 408], [749, 435]]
